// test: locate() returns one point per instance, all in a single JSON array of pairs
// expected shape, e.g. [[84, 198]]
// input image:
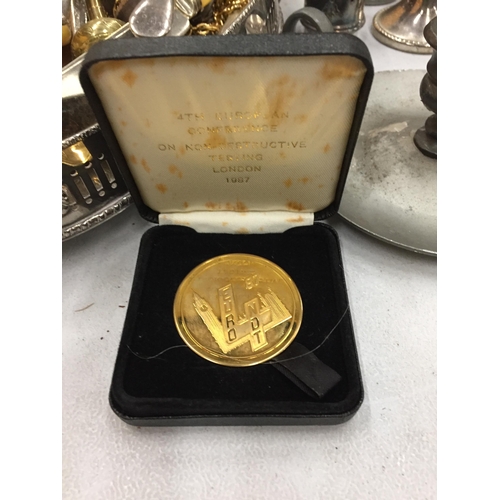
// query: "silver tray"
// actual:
[[391, 190]]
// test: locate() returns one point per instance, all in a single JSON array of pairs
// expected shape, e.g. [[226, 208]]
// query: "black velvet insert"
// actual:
[[155, 379]]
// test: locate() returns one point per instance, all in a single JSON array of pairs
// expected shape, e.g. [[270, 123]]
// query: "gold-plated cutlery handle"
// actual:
[[98, 28]]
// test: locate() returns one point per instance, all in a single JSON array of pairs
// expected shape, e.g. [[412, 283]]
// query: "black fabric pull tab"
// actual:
[[306, 371]]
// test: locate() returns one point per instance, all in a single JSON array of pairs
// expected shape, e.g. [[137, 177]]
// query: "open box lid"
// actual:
[[208, 130]]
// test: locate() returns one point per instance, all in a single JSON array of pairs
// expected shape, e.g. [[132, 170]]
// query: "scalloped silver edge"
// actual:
[[401, 42], [94, 220]]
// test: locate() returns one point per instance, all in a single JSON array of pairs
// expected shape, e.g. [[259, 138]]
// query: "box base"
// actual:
[[160, 381]]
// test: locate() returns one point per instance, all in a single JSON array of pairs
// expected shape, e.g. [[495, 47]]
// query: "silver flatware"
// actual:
[[152, 18], [269, 12], [188, 7]]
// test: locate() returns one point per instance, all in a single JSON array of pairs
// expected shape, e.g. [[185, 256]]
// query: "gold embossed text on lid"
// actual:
[[238, 310], [241, 134]]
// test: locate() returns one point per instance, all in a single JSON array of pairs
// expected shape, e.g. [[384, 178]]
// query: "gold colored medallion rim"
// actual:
[[231, 360]]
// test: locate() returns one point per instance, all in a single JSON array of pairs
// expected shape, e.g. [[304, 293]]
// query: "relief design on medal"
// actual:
[[237, 310], [261, 314]]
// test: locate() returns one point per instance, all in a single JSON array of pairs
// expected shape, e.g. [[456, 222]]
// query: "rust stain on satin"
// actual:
[[280, 92], [101, 67], [238, 207], [217, 64], [215, 140], [129, 77], [175, 171], [332, 70], [295, 205], [145, 166], [241, 207]]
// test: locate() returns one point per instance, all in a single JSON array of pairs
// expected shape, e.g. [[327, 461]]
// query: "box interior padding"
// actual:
[[157, 375]]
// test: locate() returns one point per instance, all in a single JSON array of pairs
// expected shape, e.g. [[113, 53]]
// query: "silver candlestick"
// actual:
[[426, 137], [401, 26]]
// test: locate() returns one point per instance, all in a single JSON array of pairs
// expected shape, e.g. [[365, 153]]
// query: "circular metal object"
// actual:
[[238, 310], [391, 192], [311, 18], [401, 26]]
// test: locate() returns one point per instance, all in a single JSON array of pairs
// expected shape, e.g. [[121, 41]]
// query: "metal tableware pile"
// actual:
[[92, 188]]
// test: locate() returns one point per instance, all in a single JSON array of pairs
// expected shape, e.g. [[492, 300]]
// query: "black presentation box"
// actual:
[[234, 145]]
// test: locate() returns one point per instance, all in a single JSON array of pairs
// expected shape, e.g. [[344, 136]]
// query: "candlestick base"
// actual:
[[401, 26], [391, 190]]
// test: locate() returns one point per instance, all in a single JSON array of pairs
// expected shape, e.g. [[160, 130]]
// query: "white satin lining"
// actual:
[[238, 222]]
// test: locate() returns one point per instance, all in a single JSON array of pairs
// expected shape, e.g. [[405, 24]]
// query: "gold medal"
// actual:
[[238, 310]]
